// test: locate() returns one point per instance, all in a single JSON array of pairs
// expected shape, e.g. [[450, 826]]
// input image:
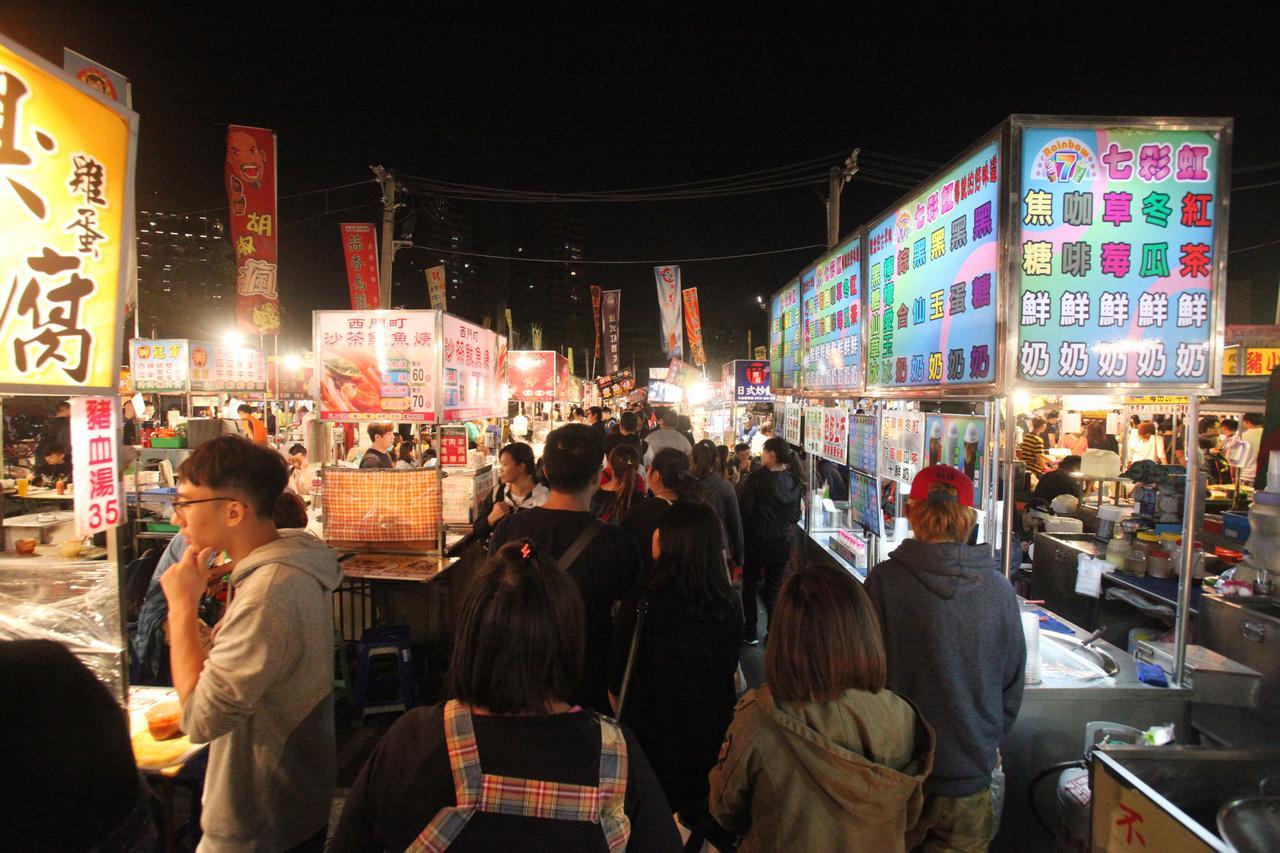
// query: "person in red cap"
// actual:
[[954, 647]]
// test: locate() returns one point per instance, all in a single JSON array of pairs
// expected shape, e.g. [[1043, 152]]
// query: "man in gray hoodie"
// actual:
[[259, 695]]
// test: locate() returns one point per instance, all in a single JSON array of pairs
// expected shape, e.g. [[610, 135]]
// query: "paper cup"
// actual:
[[1031, 633]]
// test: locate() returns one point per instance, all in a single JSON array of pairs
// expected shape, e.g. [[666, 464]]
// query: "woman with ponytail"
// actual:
[[670, 480], [613, 500], [770, 504]]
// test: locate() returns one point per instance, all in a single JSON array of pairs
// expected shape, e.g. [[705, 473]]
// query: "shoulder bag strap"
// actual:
[[568, 558], [642, 607]]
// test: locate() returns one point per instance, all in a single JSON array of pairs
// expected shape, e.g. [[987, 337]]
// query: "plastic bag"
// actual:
[[1089, 572]]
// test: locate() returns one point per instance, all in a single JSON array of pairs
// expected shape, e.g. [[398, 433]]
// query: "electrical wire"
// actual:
[[283, 197], [570, 262]]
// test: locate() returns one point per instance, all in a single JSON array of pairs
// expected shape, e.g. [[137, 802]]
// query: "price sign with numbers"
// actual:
[[375, 365]]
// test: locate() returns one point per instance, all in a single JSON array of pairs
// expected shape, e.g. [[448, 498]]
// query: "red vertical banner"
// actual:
[[251, 195], [595, 313], [693, 325], [436, 288], [612, 341], [360, 248]]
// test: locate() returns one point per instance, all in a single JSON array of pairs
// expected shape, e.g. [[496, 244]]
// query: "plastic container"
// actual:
[[1135, 562], [1160, 564], [168, 442]]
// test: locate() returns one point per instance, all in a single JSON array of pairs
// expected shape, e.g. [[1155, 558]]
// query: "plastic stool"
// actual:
[[380, 689], [341, 668]]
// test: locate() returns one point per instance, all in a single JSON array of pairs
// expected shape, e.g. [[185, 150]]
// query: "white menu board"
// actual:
[[901, 445], [475, 371]]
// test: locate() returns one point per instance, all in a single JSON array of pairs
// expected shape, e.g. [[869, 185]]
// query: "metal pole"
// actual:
[[835, 183], [990, 470], [1189, 510], [388, 248], [1007, 537]]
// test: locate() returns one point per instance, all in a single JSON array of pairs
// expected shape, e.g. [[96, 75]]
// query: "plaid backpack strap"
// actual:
[[613, 785], [464, 761]]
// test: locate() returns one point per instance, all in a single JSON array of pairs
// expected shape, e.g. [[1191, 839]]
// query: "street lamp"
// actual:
[[233, 339]]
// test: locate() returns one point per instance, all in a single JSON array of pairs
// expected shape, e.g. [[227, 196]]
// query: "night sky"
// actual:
[[573, 102]]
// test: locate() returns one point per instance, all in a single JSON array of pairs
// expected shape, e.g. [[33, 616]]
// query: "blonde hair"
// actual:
[[941, 520]]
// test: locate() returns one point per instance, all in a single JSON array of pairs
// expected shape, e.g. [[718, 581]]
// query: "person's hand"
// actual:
[[500, 511], [186, 580]]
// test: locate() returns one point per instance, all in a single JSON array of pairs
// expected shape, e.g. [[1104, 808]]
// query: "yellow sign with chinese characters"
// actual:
[[66, 198]]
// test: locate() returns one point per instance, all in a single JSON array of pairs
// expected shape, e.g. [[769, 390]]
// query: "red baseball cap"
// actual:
[[945, 474]]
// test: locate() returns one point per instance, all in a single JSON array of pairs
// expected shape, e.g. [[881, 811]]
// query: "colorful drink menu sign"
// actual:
[[1119, 274], [832, 332], [933, 282], [784, 338]]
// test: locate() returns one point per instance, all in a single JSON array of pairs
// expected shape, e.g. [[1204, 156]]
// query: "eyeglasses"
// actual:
[[180, 506]]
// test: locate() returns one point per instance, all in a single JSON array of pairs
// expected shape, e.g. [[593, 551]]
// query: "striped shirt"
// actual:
[[1031, 452]]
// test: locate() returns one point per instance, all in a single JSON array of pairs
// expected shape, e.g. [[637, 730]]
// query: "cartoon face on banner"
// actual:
[[246, 161]]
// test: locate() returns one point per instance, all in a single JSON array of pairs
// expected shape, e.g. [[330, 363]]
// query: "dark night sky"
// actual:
[[573, 101]]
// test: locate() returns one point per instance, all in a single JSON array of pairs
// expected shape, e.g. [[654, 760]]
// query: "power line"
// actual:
[[568, 262], [1255, 246], [283, 197], [1255, 186]]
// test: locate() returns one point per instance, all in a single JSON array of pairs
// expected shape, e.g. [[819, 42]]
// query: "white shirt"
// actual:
[[661, 439]]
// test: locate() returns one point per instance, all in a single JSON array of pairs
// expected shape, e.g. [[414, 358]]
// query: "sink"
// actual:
[[1096, 657]]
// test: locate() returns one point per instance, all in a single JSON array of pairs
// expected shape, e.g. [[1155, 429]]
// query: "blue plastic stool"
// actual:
[[384, 671]]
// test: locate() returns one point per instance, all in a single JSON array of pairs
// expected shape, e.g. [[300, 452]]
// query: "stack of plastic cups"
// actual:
[[1031, 633]]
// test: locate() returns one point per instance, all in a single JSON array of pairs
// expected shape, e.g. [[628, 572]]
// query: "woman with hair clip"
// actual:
[[670, 480], [954, 647], [463, 774], [613, 500], [719, 495], [770, 504], [681, 694]]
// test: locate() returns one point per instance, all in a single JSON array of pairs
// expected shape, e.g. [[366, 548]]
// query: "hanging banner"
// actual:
[[831, 337], [159, 367], [901, 445], [374, 365], [219, 367], [618, 384], [747, 381], [595, 315], [475, 371], [1121, 258], [95, 435], [612, 329], [360, 248], [668, 279], [67, 160], [251, 195], [98, 77], [535, 336], [436, 288], [784, 338], [531, 376], [693, 325]]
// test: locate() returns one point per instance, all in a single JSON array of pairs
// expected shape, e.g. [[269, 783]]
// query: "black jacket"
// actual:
[[376, 459], [771, 502]]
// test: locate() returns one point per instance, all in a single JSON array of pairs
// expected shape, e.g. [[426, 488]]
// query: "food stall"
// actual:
[[543, 391], [744, 386]]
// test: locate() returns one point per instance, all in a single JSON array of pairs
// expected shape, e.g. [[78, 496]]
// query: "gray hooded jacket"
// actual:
[[954, 647], [263, 701]]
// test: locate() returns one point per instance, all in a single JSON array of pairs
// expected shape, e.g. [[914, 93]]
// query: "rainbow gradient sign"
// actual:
[[784, 338], [832, 330], [1118, 274], [933, 281]]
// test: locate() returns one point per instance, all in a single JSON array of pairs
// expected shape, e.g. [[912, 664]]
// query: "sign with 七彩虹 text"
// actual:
[[66, 204], [360, 248], [933, 281], [832, 332], [1119, 266], [475, 371], [375, 365], [784, 338], [159, 366], [95, 434], [224, 367]]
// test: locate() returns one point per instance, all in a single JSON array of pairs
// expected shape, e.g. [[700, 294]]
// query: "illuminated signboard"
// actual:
[[832, 321]]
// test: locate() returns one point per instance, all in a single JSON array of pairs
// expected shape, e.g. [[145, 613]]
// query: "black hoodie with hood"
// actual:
[[771, 502], [954, 647]]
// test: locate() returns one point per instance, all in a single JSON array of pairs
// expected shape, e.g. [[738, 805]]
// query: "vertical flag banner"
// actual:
[[612, 337], [251, 195], [435, 287], [668, 279], [95, 430], [693, 325], [97, 76], [66, 211], [360, 248], [595, 314]]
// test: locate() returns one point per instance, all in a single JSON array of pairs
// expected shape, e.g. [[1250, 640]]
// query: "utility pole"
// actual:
[[388, 248], [836, 180]]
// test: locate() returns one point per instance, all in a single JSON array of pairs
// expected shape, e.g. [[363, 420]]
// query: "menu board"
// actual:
[[933, 281], [531, 375], [832, 330], [784, 338], [862, 443], [159, 366], [792, 422], [864, 502], [1119, 272], [960, 442], [294, 377], [826, 433], [475, 371], [219, 367], [375, 365], [453, 447], [901, 445]]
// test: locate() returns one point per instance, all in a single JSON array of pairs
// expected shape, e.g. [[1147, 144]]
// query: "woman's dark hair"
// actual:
[[672, 466], [522, 455], [706, 459], [779, 447], [624, 462], [406, 451], [290, 511], [519, 640], [824, 639], [296, 449], [691, 561], [572, 457], [1096, 434]]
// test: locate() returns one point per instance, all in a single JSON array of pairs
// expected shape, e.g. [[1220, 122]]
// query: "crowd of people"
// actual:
[[594, 697]]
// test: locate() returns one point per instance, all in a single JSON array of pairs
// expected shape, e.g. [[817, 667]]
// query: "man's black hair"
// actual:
[[572, 458]]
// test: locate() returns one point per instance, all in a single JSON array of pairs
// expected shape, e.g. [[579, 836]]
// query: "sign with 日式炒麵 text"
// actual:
[[66, 160]]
